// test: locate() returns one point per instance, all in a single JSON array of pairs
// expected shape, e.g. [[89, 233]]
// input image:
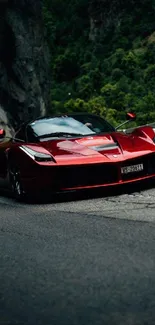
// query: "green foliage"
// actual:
[[110, 75], [65, 67], [84, 86], [77, 105]]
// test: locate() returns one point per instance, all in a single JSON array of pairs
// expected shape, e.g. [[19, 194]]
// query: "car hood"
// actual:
[[109, 145]]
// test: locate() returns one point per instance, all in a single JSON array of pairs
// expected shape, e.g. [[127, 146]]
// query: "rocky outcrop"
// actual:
[[106, 16], [24, 61]]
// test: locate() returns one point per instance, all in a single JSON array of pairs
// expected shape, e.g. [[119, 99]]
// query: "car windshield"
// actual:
[[77, 125]]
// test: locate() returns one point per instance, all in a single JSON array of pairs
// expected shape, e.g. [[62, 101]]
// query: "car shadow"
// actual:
[[94, 193], [86, 194]]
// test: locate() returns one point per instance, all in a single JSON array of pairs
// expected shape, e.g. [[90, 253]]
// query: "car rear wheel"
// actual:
[[16, 183]]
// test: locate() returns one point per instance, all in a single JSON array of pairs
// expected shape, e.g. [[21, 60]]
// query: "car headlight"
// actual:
[[35, 155]]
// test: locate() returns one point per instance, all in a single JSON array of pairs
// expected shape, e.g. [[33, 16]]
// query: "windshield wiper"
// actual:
[[59, 134]]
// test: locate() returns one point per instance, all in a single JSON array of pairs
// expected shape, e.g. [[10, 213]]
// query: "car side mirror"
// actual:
[[130, 116], [2, 133]]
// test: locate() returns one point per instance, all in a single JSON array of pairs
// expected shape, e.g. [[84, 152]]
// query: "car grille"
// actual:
[[87, 175], [65, 177]]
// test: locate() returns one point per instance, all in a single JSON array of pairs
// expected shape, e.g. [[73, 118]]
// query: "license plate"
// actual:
[[132, 169]]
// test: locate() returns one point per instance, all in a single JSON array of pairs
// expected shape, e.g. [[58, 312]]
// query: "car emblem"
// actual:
[[115, 156]]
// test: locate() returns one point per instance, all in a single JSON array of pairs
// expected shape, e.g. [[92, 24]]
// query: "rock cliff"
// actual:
[[24, 62]]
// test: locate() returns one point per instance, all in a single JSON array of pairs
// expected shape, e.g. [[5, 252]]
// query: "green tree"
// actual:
[[113, 73]]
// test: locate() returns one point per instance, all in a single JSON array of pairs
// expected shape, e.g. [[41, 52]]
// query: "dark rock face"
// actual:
[[24, 61]]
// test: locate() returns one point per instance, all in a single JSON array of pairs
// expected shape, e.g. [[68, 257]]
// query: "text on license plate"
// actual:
[[132, 169]]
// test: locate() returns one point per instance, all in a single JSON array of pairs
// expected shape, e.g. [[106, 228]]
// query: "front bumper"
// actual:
[[70, 178]]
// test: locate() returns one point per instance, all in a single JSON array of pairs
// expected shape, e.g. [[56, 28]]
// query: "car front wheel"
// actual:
[[16, 183]]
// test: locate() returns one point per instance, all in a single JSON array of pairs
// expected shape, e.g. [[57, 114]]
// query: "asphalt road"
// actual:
[[80, 262]]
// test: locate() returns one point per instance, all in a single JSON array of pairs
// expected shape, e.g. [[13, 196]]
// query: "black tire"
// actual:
[[16, 183]]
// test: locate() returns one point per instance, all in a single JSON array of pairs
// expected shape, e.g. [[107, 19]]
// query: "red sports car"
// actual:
[[72, 152]]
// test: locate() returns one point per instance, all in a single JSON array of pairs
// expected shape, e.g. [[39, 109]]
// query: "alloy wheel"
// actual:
[[15, 181]]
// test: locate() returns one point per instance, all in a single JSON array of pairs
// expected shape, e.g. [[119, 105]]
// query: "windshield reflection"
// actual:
[[80, 125]]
